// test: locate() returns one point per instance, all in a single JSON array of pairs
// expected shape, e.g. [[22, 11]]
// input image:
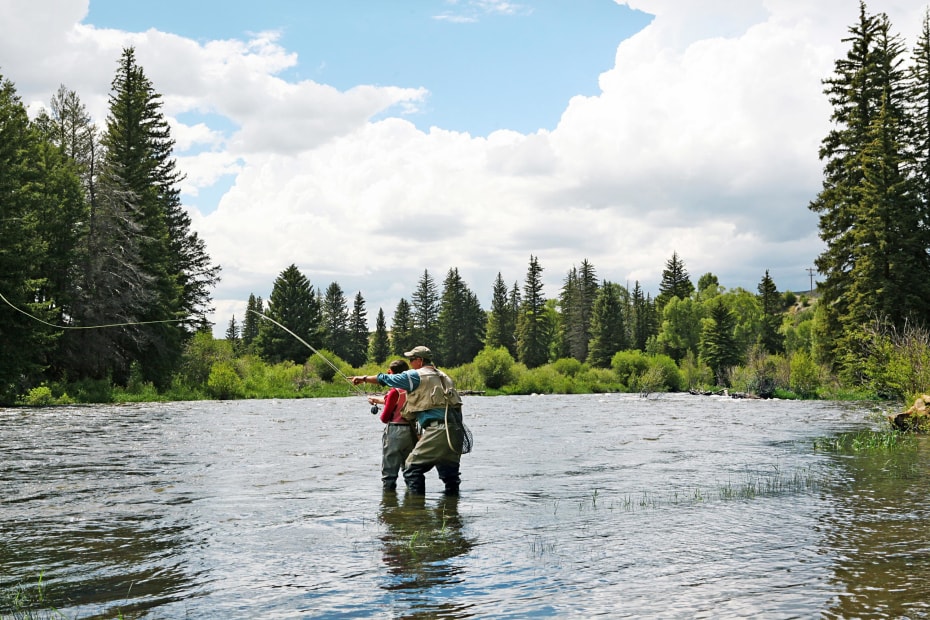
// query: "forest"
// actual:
[[105, 289]]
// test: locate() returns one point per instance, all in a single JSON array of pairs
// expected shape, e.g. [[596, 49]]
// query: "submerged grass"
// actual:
[[866, 441], [24, 602]]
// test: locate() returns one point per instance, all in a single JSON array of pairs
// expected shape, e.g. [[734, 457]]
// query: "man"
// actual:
[[428, 397]]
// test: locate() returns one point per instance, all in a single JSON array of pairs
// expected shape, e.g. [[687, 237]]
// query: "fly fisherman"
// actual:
[[428, 402], [399, 434]]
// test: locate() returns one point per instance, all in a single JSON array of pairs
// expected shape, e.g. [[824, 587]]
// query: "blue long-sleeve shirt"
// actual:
[[410, 380]]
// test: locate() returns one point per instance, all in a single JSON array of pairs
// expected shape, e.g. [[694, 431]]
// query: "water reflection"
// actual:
[[878, 533], [421, 540]]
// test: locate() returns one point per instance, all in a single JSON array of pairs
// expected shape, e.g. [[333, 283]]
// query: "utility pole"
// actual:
[[810, 271]]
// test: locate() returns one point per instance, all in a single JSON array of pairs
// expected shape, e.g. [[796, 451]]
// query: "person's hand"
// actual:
[[356, 380]]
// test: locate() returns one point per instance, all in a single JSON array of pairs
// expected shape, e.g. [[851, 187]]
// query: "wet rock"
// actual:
[[916, 419]]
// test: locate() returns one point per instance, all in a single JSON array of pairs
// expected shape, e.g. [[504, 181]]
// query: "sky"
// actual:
[[368, 142]]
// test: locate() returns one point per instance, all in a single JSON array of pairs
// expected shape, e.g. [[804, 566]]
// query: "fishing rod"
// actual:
[[127, 324], [323, 357]]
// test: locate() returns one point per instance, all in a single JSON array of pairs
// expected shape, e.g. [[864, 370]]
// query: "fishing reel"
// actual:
[[374, 409]]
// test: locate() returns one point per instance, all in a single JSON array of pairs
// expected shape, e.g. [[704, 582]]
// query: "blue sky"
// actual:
[[368, 142], [487, 66]]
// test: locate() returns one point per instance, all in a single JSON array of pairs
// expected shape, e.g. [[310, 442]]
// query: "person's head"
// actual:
[[419, 356], [397, 366]]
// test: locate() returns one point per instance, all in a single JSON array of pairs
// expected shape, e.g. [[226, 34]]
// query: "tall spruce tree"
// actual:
[[250, 322], [871, 214], [403, 334], [294, 305], [576, 302], [358, 332], [24, 343], [336, 334], [461, 322], [139, 166], [675, 282], [770, 338], [608, 329], [533, 329], [500, 326], [425, 305], [718, 346], [379, 348]]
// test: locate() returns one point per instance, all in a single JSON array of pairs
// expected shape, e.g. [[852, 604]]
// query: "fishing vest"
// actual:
[[432, 393]]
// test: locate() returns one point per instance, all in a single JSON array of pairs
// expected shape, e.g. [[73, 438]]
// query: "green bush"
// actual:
[[629, 366], [40, 396], [567, 366], [325, 364], [543, 380], [224, 383], [805, 375], [495, 365]]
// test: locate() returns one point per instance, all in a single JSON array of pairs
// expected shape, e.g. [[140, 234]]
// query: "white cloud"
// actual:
[[703, 141]]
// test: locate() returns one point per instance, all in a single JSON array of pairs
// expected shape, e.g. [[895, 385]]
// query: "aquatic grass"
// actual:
[[865, 441], [22, 602]]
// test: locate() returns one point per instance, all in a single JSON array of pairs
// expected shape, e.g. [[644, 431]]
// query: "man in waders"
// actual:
[[427, 390]]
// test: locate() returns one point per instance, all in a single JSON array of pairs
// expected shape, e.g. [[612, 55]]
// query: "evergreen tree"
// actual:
[[461, 322], [358, 332], [770, 337], [533, 329], [24, 343], [675, 282], [250, 324], [403, 336], [500, 327], [425, 305], [607, 326], [644, 319], [516, 302], [139, 166], [336, 332], [718, 344], [379, 347], [577, 302], [294, 305]]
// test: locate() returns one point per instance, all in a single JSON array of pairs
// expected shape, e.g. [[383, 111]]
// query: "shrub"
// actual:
[[325, 364], [543, 380], [629, 366], [495, 365], [40, 396], [805, 375], [567, 366], [224, 383]]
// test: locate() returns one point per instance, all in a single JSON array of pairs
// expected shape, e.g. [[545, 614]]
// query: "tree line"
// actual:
[[590, 321], [92, 232]]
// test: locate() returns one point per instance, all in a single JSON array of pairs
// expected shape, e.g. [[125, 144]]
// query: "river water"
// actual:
[[571, 507]]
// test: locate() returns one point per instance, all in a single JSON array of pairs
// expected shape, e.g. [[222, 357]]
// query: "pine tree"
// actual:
[[770, 339], [461, 322], [500, 327], [403, 336], [608, 329], [533, 329], [358, 332], [719, 349], [24, 343], [294, 305], [425, 305], [380, 344], [675, 282], [336, 333], [254, 307], [872, 217], [139, 167]]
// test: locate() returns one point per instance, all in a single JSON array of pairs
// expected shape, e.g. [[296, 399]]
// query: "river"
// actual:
[[672, 506]]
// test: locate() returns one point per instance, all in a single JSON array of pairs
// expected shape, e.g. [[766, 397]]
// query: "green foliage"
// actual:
[[663, 369], [495, 366], [224, 383], [695, 374], [891, 362], [40, 396], [542, 380], [568, 366], [200, 355], [629, 367], [805, 374], [325, 365]]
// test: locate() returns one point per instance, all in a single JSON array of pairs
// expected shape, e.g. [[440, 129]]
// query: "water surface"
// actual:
[[572, 506]]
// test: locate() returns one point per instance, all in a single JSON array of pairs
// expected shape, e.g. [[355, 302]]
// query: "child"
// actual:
[[399, 436]]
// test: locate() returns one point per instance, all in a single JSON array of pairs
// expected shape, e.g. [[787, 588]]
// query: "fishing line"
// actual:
[[309, 346], [35, 318]]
